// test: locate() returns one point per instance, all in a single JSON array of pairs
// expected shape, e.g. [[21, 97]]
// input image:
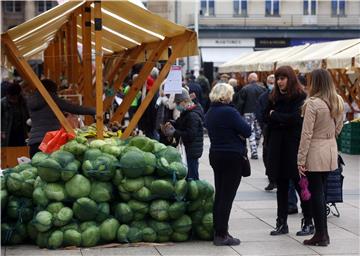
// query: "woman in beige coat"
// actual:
[[317, 155]]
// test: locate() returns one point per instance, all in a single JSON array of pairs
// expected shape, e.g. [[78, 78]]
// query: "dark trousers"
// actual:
[[292, 196], [227, 175], [282, 199], [266, 153], [34, 148], [193, 168], [317, 187]]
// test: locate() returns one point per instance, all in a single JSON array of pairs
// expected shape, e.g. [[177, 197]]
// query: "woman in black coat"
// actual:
[[284, 127], [227, 132]]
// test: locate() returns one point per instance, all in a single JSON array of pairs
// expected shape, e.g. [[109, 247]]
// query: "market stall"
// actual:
[[113, 36]]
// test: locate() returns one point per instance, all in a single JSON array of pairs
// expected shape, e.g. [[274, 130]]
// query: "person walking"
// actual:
[[205, 88], [249, 95], [318, 154], [43, 118], [227, 132], [261, 107], [190, 129], [14, 114], [285, 123]]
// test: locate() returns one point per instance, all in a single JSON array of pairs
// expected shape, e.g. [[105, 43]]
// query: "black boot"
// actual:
[[225, 240], [319, 239], [271, 186], [281, 228], [307, 228]]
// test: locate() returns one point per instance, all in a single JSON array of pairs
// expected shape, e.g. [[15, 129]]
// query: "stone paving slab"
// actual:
[[137, 251]]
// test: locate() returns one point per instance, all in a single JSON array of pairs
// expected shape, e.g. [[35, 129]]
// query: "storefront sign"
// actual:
[[271, 42]]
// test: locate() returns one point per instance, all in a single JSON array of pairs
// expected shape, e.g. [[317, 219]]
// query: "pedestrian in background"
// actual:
[[285, 123], [189, 128], [318, 155], [43, 118], [195, 90], [14, 115], [205, 88], [227, 132], [249, 95], [261, 107]]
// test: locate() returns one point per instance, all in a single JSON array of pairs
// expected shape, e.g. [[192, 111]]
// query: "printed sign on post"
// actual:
[[173, 82]]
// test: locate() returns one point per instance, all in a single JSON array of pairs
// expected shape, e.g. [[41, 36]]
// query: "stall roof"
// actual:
[[311, 57], [303, 58], [125, 25], [344, 58]]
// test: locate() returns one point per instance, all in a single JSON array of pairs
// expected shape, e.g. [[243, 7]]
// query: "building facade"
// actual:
[[229, 28]]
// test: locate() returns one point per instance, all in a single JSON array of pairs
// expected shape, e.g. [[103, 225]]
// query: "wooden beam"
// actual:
[[57, 60], [130, 61], [29, 75], [46, 63], [116, 65], [140, 80], [177, 49], [62, 52], [51, 61], [99, 69], [86, 55], [74, 48], [69, 68]]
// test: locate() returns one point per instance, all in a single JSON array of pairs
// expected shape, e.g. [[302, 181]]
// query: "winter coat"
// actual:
[[43, 118], [189, 127], [249, 95], [13, 122], [225, 126], [284, 127], [318, 148]]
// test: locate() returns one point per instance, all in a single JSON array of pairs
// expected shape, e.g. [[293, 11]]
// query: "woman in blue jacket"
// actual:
[[227, 132]]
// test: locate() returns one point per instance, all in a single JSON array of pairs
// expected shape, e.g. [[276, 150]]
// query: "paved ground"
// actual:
[[252, 218]]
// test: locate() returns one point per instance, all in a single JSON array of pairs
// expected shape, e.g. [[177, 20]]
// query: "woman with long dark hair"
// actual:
[[323, 120], [284, 127]]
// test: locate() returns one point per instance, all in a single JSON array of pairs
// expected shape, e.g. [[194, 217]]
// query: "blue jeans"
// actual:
[[193, 168]]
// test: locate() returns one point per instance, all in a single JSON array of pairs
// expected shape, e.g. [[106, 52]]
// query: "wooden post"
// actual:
[[69, 68], [86, 54], [140, 80], [165, 70], [62, 53], [57, 59], [99, 74], [46, 63], [74, 49], [130, 61], [29, 75], [51, 57]]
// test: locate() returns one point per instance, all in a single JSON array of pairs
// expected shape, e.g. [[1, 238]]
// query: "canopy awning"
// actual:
[[125, 26], [345, 59], [337, 54]]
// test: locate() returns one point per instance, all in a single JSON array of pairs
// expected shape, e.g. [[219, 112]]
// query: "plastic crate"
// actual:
[[351, 147], [352, 128]]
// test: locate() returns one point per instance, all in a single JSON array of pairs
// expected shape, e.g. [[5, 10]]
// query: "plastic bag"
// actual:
[[181, 149], [54, 140], [304, 184]]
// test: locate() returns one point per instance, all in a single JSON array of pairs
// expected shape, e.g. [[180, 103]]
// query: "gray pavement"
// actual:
[[252, 218]]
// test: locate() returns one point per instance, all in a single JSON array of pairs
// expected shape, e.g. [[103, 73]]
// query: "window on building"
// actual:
[[309, 7], [338, 7], [43, 6], [240, 7], [272, 7], [207, 7], [13, 6]]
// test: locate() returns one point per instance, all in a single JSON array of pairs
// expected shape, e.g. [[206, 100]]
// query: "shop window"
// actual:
[[43, 6]]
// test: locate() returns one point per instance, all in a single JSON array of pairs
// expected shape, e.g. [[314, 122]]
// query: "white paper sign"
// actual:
[[173, 82]]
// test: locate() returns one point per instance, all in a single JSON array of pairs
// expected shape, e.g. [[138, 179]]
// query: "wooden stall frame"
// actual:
[[140, 80], [177, 48], [28, 74]]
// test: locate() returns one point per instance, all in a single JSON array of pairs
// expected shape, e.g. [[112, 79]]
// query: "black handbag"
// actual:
[[246, 167]]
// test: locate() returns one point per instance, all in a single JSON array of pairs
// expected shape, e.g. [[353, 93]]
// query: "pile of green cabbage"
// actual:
[[104, 191]]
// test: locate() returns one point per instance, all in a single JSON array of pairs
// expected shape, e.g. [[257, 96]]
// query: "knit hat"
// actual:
[[182, 97]]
